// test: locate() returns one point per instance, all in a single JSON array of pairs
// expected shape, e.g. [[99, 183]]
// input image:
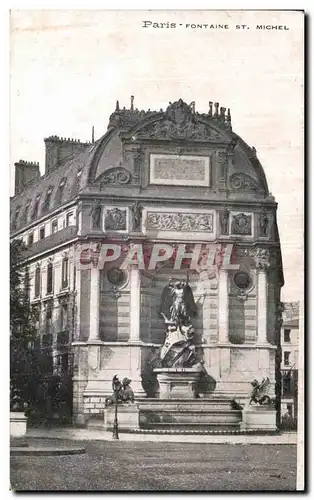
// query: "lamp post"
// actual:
[[116, 384]]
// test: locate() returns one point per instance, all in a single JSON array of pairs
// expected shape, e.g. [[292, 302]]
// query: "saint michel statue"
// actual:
[[178, 307]]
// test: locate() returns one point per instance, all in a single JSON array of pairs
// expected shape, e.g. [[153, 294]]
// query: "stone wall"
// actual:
[[80, 379], [94, 405], [114, 317]]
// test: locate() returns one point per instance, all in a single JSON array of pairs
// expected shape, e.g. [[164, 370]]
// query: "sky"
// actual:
[[68, 68]]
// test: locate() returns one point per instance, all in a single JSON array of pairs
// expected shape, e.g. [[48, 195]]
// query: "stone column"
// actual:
[[223, 307], [135, 304], [262, 306], [94, 305], [262, 263]]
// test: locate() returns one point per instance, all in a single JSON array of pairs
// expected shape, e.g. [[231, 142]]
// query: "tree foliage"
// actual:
[[22, 330]]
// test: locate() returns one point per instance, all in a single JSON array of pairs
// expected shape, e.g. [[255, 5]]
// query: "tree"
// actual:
[[22, 331]]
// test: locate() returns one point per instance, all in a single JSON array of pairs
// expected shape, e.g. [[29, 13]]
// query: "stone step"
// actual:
[[173, 405], [189, 409], [195, 431], [199, 426], [187, 420], [202, 413]]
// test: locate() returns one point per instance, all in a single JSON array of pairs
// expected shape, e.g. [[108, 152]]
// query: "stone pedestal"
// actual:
[[18, 423], [177, 383], [258, 418], [128, 417]]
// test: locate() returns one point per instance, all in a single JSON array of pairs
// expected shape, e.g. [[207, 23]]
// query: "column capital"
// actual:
[[261, 257]]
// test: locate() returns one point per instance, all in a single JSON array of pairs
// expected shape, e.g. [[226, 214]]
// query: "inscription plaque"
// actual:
[[180, 170]]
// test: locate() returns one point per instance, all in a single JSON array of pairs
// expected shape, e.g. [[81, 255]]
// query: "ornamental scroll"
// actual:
[[116, 175]]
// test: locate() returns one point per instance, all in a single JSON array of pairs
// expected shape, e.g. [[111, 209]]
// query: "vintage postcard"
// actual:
[[156, 245]]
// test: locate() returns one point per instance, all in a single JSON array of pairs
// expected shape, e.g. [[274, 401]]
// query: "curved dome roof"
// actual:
[[63, 183]]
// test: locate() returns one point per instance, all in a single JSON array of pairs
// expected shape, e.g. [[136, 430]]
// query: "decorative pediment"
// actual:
[[116, 175], [179, 122], [243, 182]]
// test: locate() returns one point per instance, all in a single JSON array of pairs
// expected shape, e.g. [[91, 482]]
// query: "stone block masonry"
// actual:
[[94, 404]]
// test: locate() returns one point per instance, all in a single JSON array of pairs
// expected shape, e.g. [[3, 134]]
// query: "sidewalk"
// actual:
[[289, 438]]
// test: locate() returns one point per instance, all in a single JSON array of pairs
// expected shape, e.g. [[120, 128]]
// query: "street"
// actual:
[[140, 466]]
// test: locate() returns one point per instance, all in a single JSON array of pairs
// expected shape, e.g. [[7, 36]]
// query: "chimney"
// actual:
[[59, 149], [25, 172]]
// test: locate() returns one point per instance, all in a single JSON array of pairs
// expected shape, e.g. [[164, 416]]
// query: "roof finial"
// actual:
[[117, 106], [93, 134], [132, 102]]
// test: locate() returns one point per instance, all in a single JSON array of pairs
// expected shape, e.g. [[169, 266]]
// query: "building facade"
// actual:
[[174, 177], [290, 360]]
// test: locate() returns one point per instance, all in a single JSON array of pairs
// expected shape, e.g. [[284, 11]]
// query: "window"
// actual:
[[49, 320], [289, 410], [64, 316], [26, 283], [17, 211], [54, 226], [36, 207], [69, 219], [37, 282], [61, 364], [76, 184], [15, 218], [286, 383], [47, 201], [78, 177], [286, 358], [65, 272], [65, 363], [49, 278], [36, 315], [30, 239], [286, 335], [60, 191], [24, 218], [42, 233]]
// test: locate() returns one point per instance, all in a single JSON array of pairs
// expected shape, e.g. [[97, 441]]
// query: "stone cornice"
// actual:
[[220, 202]]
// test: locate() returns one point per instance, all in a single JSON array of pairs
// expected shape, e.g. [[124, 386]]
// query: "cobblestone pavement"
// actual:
[[139, 466]]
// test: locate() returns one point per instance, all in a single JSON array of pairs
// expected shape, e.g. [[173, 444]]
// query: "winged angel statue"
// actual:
[[178, 307]]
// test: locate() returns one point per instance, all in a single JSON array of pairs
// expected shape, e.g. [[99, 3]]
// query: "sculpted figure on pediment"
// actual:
[[179, 122]]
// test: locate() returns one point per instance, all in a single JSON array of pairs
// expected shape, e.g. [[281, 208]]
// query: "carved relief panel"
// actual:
[[241, 224], [178, 223], [116, 219]]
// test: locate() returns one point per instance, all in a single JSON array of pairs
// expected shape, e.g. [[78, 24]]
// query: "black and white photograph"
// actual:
[[156, 250]]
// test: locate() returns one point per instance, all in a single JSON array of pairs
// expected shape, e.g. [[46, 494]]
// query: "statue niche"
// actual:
[[178, 307], [96, 215]]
